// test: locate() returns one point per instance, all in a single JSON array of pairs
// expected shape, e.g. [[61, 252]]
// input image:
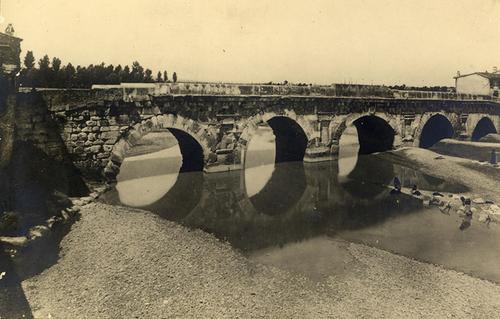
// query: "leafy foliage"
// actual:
[[53, 74]]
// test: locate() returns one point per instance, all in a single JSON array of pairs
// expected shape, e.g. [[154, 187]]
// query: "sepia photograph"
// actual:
[[249, 159]]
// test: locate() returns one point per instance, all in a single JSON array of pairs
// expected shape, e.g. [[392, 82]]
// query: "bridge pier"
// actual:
[[323, 147]]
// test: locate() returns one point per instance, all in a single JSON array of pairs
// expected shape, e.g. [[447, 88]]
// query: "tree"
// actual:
[[56, 64], [137, 74], [174, 77], [148, 76], [29, 60], [44, 63], [69, 75], [52, 73], [43, 75], [125, 74]]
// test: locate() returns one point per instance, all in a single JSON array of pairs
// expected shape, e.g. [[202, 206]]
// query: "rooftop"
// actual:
[[488, 75], [5, 35]]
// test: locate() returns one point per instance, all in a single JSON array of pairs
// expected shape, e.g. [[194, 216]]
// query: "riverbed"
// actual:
[[280, 240]]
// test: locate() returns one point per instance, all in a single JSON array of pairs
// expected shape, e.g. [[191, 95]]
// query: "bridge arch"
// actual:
[[192, 139], [434, 127], [292, 133], [376, 132], [483, 127]]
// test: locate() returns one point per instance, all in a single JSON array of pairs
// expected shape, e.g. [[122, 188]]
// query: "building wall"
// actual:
[[473, 84], [10, 49]]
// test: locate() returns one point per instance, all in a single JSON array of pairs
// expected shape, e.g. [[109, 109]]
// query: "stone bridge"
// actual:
[[214, 123]]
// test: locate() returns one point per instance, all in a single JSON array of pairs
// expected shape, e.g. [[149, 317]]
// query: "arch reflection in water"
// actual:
[[283, 190], [370, 177], [264, 179], [149, 170], [348, 151], [259, 159], [366, 135], [168, 181]]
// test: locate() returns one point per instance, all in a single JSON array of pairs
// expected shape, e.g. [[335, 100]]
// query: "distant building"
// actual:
[[10, 50], [10, 63], [478, 83]]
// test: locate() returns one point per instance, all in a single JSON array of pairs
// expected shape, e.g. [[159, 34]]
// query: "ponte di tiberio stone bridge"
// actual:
[[214, 123]]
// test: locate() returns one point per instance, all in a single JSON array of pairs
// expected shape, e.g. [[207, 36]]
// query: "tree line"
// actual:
[[49, 73]]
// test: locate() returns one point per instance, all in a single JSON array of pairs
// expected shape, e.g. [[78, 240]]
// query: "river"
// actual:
[[300, 216]]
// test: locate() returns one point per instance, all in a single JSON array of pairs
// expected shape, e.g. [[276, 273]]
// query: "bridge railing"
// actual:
[[144, 91], [138, 90], [433, 95]]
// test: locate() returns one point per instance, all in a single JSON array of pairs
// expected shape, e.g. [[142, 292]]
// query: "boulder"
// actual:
[[20, 241], [38, 231], [478, 200], [482, 217], [495, 216]]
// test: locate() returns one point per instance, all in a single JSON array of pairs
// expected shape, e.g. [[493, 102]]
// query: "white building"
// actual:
[[478, 83]]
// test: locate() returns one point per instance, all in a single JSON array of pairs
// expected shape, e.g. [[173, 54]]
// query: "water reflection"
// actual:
[[259, 160], [146, 178], [298, 202], [348, 151], [299, 206]]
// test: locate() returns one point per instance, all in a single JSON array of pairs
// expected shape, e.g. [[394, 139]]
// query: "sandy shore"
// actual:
[[124, 263]]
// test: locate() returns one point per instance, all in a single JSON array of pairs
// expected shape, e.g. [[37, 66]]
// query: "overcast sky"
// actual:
[[419, 42]]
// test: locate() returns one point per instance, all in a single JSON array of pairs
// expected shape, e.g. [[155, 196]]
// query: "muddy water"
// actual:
[[301, 217]]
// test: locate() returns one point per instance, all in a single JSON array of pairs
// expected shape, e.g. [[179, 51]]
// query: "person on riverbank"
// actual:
[[446, 209], [493, 158], [397, 186], [415, 191]]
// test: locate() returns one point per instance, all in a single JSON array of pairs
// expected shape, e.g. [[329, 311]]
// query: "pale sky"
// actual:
[[418, 42]]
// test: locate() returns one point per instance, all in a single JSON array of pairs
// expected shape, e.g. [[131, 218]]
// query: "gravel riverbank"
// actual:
[[123, 263], [483, 179]]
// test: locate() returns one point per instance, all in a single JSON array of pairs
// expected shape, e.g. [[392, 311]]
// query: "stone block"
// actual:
[[98, 142], [110, 136], [95, 148], [103, 155], [82, 136], [91, 123], [96, 129]]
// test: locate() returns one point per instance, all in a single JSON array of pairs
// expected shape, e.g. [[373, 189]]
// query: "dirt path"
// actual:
[[124, 263]]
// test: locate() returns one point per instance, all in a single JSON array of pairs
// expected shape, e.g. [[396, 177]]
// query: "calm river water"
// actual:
[[291, 215]]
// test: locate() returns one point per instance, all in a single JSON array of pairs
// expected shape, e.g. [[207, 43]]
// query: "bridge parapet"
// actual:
[[141, 91]]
